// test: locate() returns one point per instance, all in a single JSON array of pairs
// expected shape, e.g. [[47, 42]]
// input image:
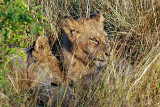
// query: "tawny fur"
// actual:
[[89, 45], [43, 55]]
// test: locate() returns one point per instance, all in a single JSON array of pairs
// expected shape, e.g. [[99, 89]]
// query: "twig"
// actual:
[[145, 70]]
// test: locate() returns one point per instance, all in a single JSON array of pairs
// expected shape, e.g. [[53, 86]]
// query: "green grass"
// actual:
[[133, 30]]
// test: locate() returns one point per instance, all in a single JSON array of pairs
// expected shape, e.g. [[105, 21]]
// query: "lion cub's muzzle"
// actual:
[[102, 55]]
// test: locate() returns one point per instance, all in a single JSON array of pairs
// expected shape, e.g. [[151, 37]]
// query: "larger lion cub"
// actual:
[[84, 45]]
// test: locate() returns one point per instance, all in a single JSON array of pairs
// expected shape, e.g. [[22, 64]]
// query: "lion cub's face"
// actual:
[[87, 34]]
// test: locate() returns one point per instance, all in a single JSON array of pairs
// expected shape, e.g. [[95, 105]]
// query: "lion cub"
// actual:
[[45, 65], [83, 45]]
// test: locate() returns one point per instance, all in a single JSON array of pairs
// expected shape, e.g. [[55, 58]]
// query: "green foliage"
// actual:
[[18, 21], [19, 25]]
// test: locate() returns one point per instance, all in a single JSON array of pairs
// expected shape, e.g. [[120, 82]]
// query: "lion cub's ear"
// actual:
[[98, 17], [71, 22], [69, 25]]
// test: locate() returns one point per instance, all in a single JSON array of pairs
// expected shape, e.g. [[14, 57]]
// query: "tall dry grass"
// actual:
[[132, 76]]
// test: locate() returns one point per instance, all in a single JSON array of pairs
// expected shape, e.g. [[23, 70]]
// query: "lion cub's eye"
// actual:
[[74, 32], [94, 40]]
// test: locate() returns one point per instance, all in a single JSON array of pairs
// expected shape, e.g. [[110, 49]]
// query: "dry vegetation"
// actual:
[[132, 75]]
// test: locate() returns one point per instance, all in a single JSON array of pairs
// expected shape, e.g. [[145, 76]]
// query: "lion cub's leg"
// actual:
[[56, 73]]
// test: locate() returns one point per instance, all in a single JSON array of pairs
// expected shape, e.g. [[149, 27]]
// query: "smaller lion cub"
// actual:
[[44, 58]]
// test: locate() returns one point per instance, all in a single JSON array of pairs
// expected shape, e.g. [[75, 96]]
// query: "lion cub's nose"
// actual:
[[100, 64], [107, 53]]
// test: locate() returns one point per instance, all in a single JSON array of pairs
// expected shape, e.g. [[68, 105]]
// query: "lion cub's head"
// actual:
[[87, 34]]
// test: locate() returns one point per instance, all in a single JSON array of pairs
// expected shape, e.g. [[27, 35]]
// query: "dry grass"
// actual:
[[132, 76]]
